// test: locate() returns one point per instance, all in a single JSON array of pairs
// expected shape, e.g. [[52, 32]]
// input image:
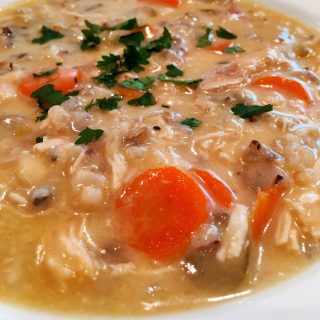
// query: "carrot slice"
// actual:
[[128, 93], [266, 204], [63, 79], [292, 87], [217, 189], [170, 3], [159, 211], [219, 45]]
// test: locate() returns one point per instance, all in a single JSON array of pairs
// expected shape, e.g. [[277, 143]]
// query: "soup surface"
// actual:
[[155, 155]]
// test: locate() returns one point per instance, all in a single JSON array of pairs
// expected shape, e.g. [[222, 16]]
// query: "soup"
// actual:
[[156, 155]]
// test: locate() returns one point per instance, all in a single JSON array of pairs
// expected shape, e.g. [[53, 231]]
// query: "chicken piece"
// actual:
[[259, 169], [240, 70]]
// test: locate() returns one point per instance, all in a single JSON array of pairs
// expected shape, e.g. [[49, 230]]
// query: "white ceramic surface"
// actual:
[[294, 299]]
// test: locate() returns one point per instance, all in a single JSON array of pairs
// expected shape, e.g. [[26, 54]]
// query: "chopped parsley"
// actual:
[[234, 49], [163, 78], [142, 84], [206, 39], [146, 100], [225, 34], [191, 123], [244, 111], [135, 58], [91, 36], [39, 139], [47, 97], [173, 71], [133, 39], [108, 79], [109, 63], [165, 106], [47, 35], [44, 73], [105, 104], [88, 135], [126, 25], [164, 42]]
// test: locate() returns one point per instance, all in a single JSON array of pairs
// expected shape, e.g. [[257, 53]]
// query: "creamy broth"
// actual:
[[68, 210]]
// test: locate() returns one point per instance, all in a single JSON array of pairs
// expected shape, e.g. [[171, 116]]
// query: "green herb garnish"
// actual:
[[173, 71], [39, 139], [44, 73], [91, 37], [164, 42], [244, 111], [109, 63], [47, 35], [143, 84], [126, 25], [108, 79], [163, 78], [206, 39], [89, 135], [146, 100], [135, 58], [234, 49], [134, 39], [191, 122], [105, 104], [225, 34]]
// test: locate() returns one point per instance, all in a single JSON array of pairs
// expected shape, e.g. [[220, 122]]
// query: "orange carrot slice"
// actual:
[[159, 211]]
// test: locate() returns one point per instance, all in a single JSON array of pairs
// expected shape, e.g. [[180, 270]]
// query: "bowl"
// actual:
[[295, 298]]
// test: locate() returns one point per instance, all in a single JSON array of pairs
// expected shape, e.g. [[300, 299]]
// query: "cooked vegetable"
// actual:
[[264, 211], [219, 45], [47, 35], [216, 188], [170, 3], [64, 79], [289, 86], [244, 111], [128, 93], [145, 100], [88, 135], [159, 210]]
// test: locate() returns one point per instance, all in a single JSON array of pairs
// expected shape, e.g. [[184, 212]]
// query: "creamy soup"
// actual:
[[155, 155]]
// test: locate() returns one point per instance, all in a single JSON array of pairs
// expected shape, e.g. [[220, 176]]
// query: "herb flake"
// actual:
[[44, 73], [191, 123], [47, 35], [133, 39], [163, 78], [91, 37], [206, 39], [225, 34], [146, 100], [39, 140], [142, 84], [126, 25], [88, 135], [234, 49], [105, 103], [173, 71], [164, 42], [135, 57], [245, 112]]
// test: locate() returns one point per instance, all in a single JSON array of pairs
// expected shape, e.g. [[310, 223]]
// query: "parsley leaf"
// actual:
[[108, 79], [191, 122], [126, 25], [47, 97], [72, 93], [143, 84], [47, 35], [234, 49], [173, 71], [44, 73], [105, 104], [109, 63], [163, 78], [89, 135], [91, 38], [244, 111], [164, 42], [39, 140], [134, 39], [225, 34], [135, 57], [206, 39], [146, 100]]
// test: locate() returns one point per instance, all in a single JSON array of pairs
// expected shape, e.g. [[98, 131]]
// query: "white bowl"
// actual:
[[294, 299]]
